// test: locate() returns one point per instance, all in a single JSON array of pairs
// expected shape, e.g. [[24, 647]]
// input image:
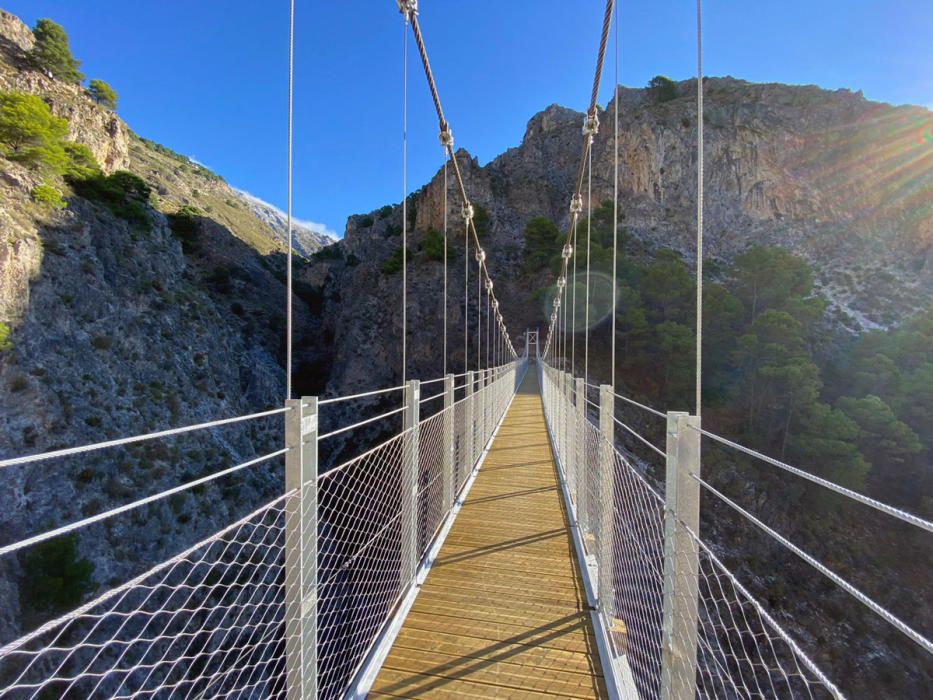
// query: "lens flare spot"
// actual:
[[600, 301]]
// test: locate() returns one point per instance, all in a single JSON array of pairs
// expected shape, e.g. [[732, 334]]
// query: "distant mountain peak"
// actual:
[[307, 237]]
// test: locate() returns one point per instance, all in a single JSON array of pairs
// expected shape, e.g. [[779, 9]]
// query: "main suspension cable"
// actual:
[[591, 117], [445, 129]]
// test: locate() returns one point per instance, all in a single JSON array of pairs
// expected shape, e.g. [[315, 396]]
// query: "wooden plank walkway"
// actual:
[[503, 612]]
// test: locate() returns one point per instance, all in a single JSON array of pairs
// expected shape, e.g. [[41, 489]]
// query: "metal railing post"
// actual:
[[565, 416], [571, 423], [681, 558], [469, 426], [579, 460], [301, 467], [409, 483], [450, 466], [490, 401], [484, 402], [605, 499], [558, 411]]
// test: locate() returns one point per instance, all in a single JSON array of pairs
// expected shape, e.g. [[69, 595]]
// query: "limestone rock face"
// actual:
[[843, 181], [20, 249], [17, 39]]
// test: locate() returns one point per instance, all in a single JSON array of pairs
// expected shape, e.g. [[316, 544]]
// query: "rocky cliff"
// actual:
[[119, 328], [845, 182]]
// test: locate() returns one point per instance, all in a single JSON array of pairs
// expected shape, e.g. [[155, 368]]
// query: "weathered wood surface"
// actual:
[[503, 612]]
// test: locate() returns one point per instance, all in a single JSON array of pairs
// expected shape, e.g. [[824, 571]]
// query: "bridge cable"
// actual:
[[591, 113], [64, 529], [406, 13], [488, 330], [573, 304], [118, 442], [479, 308], [466, 295], [615, 199], [699, 269], [563, 316], [445, 262], [445, 128], [589, 221], [903, 515], [288, 272], [889, 617]]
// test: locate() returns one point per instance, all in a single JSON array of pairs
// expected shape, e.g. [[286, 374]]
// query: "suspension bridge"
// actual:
[[495, 541]]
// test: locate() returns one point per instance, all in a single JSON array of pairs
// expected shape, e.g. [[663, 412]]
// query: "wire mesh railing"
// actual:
[[219, 618], [678, 622], [206, 623]]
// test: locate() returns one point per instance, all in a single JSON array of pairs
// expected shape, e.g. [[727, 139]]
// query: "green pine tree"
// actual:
[[52, 53], [30, 134], [102, 94]]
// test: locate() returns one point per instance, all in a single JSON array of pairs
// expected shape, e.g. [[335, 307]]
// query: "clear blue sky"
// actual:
[[208, 78]]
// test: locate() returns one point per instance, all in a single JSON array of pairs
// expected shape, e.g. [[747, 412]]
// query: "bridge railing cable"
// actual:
[[187, 486], [865, 600], [105, 444], [898, 513], [206, 622]]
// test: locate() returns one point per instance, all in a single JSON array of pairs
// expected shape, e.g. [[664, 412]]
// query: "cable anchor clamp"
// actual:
[[446, 137], [466, 211], [591, 125], [567, 253], [408, 8], [576, 204]]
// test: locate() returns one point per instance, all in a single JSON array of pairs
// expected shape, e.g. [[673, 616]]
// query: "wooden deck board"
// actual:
[[503, 611]]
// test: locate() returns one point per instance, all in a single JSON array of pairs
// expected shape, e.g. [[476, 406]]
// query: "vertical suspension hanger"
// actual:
[[446, 138], [467, 212], [590, 129], [615, 198], [699, 264], [480, 257], [576, 207], [288, 273], [408, 8]]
